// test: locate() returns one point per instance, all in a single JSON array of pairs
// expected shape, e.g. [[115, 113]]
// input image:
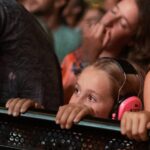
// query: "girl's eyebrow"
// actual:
[[92, 91]]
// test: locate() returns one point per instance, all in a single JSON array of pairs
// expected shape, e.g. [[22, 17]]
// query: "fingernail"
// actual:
[[57, 121], [75, 120], [122, 132], [22, 110], [62, 127], [9, 112], [14, 114], [67, 127]]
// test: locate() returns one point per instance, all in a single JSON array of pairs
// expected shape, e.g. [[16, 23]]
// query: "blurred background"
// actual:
[[97, 2]]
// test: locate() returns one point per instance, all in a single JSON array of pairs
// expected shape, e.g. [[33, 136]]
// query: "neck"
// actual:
[[111, 52]]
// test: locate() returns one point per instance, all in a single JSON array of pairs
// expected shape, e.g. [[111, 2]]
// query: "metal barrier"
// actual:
[[38, 131]]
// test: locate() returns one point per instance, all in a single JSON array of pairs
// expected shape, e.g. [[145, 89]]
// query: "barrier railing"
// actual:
[[38, 131]]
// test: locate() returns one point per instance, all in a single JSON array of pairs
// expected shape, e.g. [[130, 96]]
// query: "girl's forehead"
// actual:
[[94, 79], [129, 9], [93, 73]]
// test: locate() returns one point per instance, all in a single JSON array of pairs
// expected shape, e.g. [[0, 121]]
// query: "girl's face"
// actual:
[[93, 88], [121, 23]]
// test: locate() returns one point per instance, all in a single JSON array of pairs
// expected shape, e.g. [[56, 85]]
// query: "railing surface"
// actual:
[[38, 131]]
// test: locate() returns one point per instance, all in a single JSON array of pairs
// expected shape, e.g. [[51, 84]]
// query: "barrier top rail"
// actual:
[[37, 131]]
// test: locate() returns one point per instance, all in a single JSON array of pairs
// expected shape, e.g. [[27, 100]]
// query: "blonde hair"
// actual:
[[122, 84]]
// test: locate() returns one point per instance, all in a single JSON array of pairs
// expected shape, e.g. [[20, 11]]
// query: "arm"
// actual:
[[147, 92], [135, 124]]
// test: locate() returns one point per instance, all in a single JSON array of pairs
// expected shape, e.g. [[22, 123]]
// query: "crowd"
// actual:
[[77, 59]]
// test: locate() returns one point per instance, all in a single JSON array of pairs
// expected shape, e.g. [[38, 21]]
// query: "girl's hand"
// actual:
[[16, 106], [71, 113], [135, 125]]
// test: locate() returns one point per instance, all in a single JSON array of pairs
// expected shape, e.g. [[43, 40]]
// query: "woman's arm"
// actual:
[[147, 92]]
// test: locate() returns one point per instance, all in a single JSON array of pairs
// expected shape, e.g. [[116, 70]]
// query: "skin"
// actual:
[[135, 124], [16, 106], [92, 96], [113, 32], [146, 92]]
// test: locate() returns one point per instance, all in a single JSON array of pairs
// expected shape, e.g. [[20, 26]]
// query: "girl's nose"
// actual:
[[80, 99]]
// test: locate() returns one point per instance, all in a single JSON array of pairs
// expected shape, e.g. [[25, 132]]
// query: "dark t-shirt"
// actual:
[[28, 65]]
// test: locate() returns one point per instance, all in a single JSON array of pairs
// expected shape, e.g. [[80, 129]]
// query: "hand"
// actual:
[[16, 106], [95, 40], [135, 125], [71, 113]]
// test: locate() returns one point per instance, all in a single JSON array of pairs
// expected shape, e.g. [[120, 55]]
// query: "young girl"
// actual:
[[98, 89]]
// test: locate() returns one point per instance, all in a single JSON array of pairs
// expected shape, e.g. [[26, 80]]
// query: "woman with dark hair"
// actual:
[[117, 34], [122, 32]]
